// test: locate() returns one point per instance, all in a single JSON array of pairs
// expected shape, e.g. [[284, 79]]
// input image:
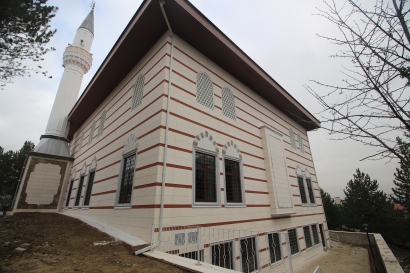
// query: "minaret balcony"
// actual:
[[77, 56]]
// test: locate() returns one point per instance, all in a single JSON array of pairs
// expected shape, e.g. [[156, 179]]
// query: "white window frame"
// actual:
[[243, 203], [67, 205], [307, 204], [280, 246], [92, 169], [233, 252], [297, 241], [117, 197], [217, 178], [258, 262]]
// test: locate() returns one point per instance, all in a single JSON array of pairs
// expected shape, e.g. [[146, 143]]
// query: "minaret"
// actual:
[[77, 61]]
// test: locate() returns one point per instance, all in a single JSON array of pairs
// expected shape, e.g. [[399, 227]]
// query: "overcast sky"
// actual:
[[280, 36]]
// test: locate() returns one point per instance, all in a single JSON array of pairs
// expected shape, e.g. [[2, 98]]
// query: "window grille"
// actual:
[[70, 189], [127, 180], [138, 92], [222, 255], [80, 144], [249, 255], [79, 190], [300, 140], [204, 90], [193, 255], [102, 121], [228, 104], [274, 247], [205, 178], [89, 188], [192, 237], [293, 241], [315, 235], [180, 239], [90, 137], [233, 181], [292, 138], [310, 190], [308, 238], [302, 190]]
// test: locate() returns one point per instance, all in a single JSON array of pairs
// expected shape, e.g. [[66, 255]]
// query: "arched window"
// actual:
[[228, 103], [204, 90], [90, 137], [205, 184], [138, 92], [80, 186], [300, 140], [89, 187], [233, 174], [292, 138]]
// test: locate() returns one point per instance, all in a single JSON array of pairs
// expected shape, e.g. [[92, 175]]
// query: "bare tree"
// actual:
[[371, 105]]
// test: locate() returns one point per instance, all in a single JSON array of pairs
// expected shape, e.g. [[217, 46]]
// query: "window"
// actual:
[[233, 181], [102, 121], [300, 140], [89, 189], [205, 178], [292, 138], [180, 239], [192, 237], [274, 248], [138, 92], [127, 179], [79, 190], [293, 241], [70, 189], [315, 234], [302, 190], [193, 255], [228, 104], [308, 237], [249, 258], [90, 137], [222, 255], [80, 144], [310, 191], [204, 90]]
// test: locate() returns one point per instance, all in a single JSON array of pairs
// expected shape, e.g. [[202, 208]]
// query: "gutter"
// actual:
[[164, 166]]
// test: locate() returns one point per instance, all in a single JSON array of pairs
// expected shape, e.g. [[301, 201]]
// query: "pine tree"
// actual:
[[332, 210], [365, 203], [402, 177]]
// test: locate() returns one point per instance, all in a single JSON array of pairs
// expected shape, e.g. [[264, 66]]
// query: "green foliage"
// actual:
[[332, 210], [11, 164], [402, 177], [24, 32], [365, 203]]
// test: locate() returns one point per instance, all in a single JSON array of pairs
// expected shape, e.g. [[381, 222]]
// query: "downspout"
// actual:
[[164, 166]]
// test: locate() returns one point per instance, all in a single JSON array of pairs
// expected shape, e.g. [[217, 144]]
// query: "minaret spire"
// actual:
[[77, 61]]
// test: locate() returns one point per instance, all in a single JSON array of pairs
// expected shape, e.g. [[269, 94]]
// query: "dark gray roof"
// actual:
[[88, 22]]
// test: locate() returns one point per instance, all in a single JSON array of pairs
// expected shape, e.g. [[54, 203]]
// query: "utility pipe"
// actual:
[[164, 166]]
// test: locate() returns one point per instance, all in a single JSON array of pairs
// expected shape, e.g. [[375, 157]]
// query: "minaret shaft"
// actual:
[[77, 61]]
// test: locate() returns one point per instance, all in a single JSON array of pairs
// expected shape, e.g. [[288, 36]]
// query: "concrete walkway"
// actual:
[[338, 259]]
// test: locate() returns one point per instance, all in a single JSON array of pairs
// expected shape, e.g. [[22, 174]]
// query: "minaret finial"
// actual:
[[93, 5]]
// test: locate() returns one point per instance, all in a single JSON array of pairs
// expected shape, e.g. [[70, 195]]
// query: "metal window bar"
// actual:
[[315, 234], [228, 103], [89, 188], [308, 238], [233, 181], [241, 250], [70, 189], [204, 90], [205, 178], [310, 190], [293, 241], [127, 180], [302, 190], [79, 190]]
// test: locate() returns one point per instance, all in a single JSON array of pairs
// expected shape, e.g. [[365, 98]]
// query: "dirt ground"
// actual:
[[402, 255], [339, 259], [60, 243]]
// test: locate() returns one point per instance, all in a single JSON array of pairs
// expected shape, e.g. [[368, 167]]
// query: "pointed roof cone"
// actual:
[[88, 22]]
